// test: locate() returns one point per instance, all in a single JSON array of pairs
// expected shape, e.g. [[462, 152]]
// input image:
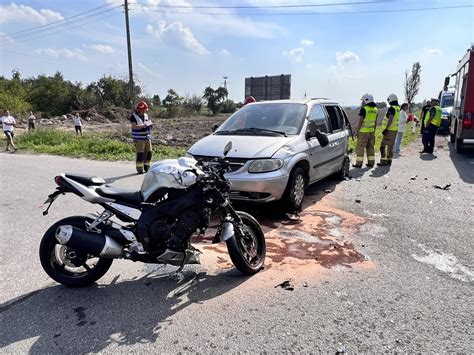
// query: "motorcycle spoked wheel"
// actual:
[[68, 266], [247, 252]]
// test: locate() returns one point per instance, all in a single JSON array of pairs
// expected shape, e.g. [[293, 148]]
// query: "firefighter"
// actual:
[[366, 131], [141, 135], [390, 131], [432, 121]]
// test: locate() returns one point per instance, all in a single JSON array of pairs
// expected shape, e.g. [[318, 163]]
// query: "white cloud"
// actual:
[[102, 48], [224, 52], [346, 56], [4, 39], [153, 73], [23, 13], [295, 54], [62, 53], [307, 42], [433, 50], [178, 34]]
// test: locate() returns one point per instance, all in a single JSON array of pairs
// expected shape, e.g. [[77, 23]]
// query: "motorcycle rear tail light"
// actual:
[[58, 180]]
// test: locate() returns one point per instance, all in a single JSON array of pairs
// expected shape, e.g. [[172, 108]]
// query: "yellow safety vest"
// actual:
[[370, 119], [394, 125], [437, 117]]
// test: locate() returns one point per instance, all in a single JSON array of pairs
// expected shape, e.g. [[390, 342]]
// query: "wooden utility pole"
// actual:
[[129, 49]]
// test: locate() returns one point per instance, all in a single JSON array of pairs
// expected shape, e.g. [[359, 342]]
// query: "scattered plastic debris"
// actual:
[[305, 284], [358, 201], [414, 177], [445, 187], [286, 285]]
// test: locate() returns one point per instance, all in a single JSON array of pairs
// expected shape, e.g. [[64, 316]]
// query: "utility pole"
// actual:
[[225, 85], [129, 49]]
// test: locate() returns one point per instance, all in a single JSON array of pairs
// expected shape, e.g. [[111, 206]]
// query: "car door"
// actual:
[[318, 155], [337, 138]]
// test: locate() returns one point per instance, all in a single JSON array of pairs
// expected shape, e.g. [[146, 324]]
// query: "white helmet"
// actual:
[[367, 98], [392, 97]]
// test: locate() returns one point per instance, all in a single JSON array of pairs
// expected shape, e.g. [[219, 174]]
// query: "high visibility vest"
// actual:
[[437, 117], [370, 119], [396, 116], [141, 134]]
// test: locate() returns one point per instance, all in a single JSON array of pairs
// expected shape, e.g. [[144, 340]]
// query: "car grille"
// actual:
[[235, 163]]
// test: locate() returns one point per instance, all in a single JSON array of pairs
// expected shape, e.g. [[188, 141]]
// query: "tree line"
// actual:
[[54, 96]]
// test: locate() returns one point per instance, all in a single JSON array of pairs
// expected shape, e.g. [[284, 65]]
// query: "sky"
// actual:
[[187, 45]]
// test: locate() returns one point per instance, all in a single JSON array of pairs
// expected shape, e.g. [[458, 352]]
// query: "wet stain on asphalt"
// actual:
[[322, 236]]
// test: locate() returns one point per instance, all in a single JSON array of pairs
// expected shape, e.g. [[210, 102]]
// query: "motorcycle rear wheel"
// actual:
[[56, 261], [247, 252]]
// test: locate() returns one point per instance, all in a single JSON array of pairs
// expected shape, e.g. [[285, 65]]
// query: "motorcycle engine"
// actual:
[[165, 233]]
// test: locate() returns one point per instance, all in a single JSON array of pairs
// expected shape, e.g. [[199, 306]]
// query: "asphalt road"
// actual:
[[410, 288]]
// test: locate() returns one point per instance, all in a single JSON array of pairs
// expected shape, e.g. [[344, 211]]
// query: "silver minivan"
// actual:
[[280, 147]]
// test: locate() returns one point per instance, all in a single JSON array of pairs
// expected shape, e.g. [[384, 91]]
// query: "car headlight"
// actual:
[[265, 165]]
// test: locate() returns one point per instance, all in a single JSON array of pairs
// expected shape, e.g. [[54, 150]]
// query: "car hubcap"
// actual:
[[299, 189]]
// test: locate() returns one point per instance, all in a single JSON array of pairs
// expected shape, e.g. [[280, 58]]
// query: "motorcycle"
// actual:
[[176, 199]]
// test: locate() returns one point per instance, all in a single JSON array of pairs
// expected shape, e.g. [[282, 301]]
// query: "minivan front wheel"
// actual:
[[295, 190]]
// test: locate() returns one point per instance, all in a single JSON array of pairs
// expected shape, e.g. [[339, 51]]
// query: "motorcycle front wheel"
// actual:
[[67, 266], [247, 250]]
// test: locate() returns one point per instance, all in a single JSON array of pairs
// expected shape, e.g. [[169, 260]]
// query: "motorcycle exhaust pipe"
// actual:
[[91, 243]]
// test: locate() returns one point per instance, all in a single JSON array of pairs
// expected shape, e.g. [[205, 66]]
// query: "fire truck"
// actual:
[[462, 127]]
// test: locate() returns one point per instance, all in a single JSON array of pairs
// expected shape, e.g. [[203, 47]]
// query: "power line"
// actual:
[[310, 13], [56, 32], [32, 56], [44, 30], [55, 22], [264, 6]]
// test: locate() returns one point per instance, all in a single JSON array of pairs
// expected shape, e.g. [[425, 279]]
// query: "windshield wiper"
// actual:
[[256, 129]]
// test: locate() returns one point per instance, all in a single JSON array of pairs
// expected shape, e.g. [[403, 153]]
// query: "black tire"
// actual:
[[238, 246], [344, 170], [458, 145], [295, 190], [452, 135], [58, 270]]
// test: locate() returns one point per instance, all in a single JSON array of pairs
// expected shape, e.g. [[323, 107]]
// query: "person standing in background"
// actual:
[[432, 122], [390, 131], [31, 121], [426, 108], [365, 131], [77, 124], [402, 123], [141, 135], [8, 122]]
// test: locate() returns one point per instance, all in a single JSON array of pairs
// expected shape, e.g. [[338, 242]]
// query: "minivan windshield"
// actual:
[[267, 119]]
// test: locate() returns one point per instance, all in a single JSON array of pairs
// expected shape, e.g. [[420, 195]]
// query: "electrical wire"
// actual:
[[59, 21], [45, 30], [309, 13], [263, 6], [32, 56], [64, 30]]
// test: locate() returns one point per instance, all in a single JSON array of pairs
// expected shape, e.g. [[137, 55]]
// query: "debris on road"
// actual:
[[305, 284], [286, 285], [445, 187], [327, 191], [414, 177], [358, 201]]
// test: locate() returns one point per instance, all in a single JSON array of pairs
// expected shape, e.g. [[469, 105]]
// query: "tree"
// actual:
[[412, 83], [171, 102], [156, 101], [214, 98]]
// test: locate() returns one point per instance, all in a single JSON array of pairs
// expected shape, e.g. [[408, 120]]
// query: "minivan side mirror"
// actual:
[[215, 126], [446, 83], [322, 138]]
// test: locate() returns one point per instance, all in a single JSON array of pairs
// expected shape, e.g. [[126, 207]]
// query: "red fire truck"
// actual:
[[462, 127]]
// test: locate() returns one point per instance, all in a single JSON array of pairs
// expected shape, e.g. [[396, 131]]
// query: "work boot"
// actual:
[[357, 165], [383, 163], [139, 171], [371, 165]]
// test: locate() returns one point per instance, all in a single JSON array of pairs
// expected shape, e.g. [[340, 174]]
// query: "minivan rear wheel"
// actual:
[[295, 190]]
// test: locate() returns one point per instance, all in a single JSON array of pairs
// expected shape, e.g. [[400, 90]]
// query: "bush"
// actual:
[[228, 106]]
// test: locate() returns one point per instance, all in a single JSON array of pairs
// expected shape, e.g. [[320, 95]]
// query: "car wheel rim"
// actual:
[[298, 190]]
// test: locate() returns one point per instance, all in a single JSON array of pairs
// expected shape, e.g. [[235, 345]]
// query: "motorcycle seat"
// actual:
[[119, 194], [86, 180]]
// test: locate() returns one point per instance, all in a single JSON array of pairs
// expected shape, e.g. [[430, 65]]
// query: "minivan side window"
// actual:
[[335, 117], [319, 119]]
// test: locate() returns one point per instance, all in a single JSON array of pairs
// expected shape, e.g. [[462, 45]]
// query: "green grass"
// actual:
[[98, 146], [408, 137]]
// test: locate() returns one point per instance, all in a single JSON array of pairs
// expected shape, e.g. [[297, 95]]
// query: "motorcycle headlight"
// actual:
[[265, 165]]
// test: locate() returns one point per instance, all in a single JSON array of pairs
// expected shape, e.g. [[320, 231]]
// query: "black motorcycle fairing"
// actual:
[[165, 193]]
